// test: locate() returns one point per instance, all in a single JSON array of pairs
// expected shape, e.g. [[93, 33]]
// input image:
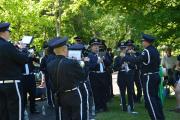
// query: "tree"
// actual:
[[111, 20]]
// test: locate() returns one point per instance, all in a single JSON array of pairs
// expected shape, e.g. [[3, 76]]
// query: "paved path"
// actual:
[[50, 114], [115, 86]]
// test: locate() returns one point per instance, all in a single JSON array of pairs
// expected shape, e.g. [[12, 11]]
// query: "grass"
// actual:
[[115, 112]]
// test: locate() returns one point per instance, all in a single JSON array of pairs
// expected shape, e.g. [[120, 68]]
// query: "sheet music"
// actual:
[[75, 54], [27, 39]]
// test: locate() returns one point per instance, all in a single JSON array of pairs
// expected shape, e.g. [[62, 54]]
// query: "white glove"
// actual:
[[100, 60], [82, 64], [86, 59], [122, 54]]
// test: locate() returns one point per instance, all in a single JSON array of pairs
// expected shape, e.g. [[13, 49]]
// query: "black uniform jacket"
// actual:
[[65, 73], [11, 61]]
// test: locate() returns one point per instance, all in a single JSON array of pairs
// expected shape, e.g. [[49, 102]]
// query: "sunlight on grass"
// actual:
[[115, 112]]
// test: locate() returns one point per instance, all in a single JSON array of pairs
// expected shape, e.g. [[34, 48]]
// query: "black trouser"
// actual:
[[137, 81], [50, 97], [109, 85], [171, 79], [152, 101], [125, 82], [91, 101], [99, 89], [70, 106], [10, 101], [177, 76], [29, 86], [106, 82]]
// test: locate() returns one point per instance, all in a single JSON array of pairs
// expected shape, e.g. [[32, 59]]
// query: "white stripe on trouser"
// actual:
[[59, 113], [19, 96], [87, 101], [81, 102], [147, 90]]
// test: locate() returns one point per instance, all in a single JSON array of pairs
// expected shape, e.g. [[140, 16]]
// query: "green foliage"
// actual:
[[111, 20]]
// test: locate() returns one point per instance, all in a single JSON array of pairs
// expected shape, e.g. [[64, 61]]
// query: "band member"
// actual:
[[66, 75], [97, 75], [136, 78], [150, 63], [11, 64], [125, 81]]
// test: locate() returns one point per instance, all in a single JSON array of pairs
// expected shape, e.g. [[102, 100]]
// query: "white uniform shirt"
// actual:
[[169, 62]]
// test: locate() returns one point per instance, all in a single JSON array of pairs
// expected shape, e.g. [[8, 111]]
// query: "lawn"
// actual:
[[115, 112]]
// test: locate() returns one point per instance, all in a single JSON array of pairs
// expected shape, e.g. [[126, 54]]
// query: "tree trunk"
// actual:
[[58, 19]]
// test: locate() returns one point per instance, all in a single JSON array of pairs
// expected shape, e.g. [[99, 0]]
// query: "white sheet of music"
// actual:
[[75, 54], [27, 39]]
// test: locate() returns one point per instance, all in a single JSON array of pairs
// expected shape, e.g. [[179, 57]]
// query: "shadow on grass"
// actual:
[[115, 111]]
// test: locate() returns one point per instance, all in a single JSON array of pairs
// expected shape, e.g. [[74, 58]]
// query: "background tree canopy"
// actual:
[[111, 20]]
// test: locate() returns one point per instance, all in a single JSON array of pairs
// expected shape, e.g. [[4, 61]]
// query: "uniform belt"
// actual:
[[28, 74], [8, 81], [86, 81], [150, 73], [97, 72], [71, 90], [125, 70], [82, 82]]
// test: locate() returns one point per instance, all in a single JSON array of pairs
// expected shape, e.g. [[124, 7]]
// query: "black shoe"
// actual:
[[35, 112], [124, 110], [98, 111], [177, 110], [101, 110], [105, 109], [138, 100]]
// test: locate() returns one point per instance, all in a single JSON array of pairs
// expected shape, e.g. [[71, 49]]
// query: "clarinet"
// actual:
[[101, 64]]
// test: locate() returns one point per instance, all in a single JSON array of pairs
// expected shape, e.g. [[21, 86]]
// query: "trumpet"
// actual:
[[126, 67]]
